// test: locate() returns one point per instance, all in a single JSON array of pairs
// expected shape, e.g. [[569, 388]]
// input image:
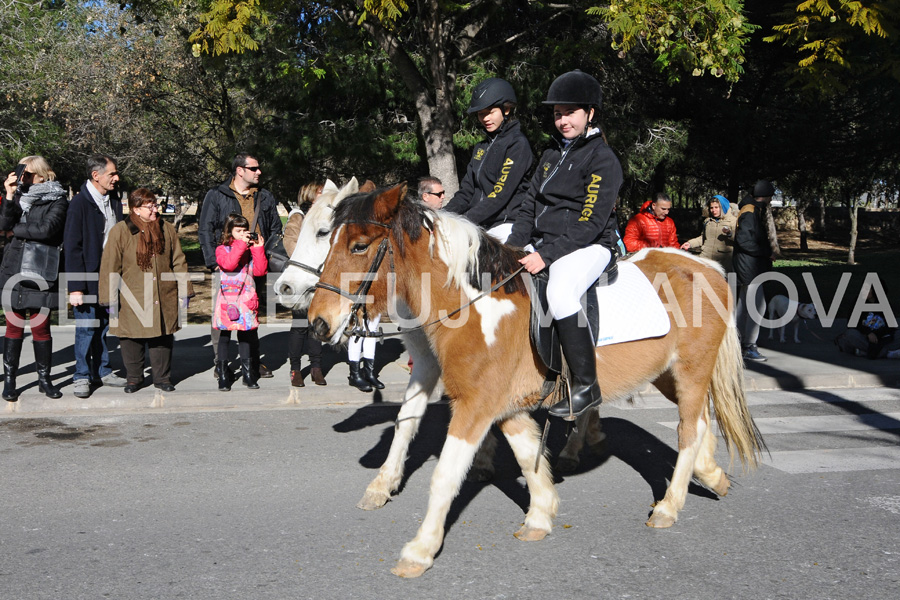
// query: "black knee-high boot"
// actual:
[[224, 375], [578, 348], [11, 368], [368, 371], [357, 379], [43, 353], [248, 374]]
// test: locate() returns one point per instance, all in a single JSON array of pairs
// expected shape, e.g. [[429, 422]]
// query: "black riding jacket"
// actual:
[[571, 201], [487, 194]]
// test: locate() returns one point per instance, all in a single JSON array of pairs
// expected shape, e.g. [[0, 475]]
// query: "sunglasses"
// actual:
[[254, 169], [439, 194]]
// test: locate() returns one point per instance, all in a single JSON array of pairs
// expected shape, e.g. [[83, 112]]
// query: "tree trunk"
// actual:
[[801, 225], [773, 233], [433, 96], [854, 222], [821, 216]]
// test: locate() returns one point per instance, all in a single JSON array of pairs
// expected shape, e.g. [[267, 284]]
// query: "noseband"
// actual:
[[307, 268]]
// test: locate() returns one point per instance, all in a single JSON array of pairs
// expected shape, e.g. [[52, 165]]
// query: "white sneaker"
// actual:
[[113, 380], [82, 388]]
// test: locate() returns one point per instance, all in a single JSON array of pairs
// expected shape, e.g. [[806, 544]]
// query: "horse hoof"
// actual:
[[530, 534], [722, 487], [566, 465], [479, 475], [660, 521], [408, 569], [373, 500]]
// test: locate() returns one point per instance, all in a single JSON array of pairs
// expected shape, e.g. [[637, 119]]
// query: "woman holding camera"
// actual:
[[33, 216]]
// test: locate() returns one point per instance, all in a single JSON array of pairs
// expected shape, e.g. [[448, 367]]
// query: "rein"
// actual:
[[358, 298]]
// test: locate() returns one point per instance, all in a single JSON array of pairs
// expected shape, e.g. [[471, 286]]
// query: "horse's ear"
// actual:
[[367, 187], [387, 202]]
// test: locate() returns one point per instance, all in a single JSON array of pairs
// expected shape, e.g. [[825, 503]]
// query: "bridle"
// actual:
[[311, 270], [356, 327]]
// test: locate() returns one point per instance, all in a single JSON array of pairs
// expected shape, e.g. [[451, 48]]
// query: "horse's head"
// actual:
[[297, 283], [370, 234]]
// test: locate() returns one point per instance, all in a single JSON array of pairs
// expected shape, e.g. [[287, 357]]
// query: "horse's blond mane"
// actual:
[[450, 233]]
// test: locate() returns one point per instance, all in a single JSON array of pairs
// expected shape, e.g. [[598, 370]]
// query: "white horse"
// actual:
[[295, 288]]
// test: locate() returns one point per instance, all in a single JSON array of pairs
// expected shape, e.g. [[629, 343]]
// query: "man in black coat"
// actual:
[[752, 257], [240, 194], [92, 213]]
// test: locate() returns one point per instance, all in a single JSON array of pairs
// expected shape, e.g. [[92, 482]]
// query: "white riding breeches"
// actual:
[[357, 346], [571, 276]]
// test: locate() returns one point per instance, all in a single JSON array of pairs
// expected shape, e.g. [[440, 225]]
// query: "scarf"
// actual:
[[150, 240], [47, 191]]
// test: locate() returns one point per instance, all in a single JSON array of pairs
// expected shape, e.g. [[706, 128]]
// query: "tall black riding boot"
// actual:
[[578, 348], [368, 371], [10, 368], [224, 376], [248, 374], [357, 379], [43, 353]]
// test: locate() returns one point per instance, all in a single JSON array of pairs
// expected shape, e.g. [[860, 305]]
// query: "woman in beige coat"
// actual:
[[143, 278], [716, 242]]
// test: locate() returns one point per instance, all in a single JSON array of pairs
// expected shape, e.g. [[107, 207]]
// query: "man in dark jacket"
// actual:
[[92, 213], [241, 194], [752, 257]]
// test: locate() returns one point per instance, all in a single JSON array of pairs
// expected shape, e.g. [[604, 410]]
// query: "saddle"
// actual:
[[544, 336]]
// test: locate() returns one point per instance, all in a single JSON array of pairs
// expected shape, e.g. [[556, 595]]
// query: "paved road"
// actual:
[[260, 504]]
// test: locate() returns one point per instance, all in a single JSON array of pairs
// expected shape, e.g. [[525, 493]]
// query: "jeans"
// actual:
[[91, 353], [751, 307]]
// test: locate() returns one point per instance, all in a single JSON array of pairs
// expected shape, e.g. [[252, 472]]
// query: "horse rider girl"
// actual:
[[568, 216], [487, 194]]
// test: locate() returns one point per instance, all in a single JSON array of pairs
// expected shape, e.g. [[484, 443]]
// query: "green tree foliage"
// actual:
[[224, 27], [695, 36], [838, 39]]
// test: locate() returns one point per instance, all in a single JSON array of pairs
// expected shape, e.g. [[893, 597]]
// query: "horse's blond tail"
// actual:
[[727, 390]]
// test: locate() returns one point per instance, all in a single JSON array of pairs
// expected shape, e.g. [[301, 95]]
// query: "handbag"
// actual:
[[276, 254], [231, 309], [40, 261]]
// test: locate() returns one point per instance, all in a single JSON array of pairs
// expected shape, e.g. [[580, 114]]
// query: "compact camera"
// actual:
[[20, 177], [254, 236]]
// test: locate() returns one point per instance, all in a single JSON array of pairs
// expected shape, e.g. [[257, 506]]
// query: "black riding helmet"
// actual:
[[489, 93], [576, 87]]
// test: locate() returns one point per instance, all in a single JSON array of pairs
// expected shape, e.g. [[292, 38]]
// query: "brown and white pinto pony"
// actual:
[[433, 265]]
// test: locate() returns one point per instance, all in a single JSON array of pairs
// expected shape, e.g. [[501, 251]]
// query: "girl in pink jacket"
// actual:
[[241, 257]]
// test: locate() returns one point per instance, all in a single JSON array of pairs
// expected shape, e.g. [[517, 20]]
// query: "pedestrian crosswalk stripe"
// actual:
[[832, 460], [824, 460], [864, 422]]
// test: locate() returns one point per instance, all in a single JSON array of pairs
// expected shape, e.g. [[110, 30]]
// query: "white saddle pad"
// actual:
[[630, 309]]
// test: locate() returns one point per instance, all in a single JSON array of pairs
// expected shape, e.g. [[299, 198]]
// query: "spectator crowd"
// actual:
[[127, 275]]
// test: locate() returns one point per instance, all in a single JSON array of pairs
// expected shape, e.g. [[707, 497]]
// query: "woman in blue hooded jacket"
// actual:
[[716, 242]]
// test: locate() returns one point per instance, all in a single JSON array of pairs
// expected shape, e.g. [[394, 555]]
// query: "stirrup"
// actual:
[[566, 409]]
